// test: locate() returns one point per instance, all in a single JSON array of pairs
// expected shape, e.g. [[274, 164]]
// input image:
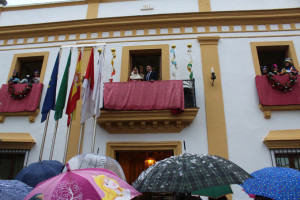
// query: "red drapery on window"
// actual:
[[29, 103], [144, 95], [270, 96]]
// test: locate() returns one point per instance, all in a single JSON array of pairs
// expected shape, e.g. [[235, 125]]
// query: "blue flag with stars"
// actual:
[[49, 102]]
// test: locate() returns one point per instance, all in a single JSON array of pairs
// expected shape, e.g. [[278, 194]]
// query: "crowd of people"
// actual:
[[287, 68], [140, 75], [28, 79]]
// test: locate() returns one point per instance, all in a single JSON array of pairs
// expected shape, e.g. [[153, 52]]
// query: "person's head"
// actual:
[[288, 62], [141, 69], [264, 70], [135, 70], [149, 68], [274, 67], [36, 73], [15, 73]]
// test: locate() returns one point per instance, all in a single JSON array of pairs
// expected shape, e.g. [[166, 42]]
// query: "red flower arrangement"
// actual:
[[18, 94], [287, 86]]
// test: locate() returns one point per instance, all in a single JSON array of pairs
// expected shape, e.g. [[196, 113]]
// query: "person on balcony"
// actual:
[[26, 79], [14, 78], [151, 75], [135, 76], [141, 71], [289, 67], [275, 70], [36, 77], [264, 70]]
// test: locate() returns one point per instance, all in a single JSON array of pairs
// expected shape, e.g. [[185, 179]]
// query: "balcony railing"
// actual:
[[189, 93]]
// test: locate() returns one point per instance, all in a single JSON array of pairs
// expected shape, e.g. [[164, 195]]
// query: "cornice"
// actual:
[[138, 122], [153, 21]]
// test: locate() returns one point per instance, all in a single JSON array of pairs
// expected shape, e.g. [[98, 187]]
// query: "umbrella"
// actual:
[[91, 160], [84, 184], [274, 182], [39, 171], [13, 190], [189, 172], [214, 192]]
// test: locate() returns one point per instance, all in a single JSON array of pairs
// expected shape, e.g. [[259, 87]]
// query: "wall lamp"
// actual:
[[213, 76]]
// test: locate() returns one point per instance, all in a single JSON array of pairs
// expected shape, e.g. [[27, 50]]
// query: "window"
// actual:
[[287, 158], [268, 53], [11, 162], [143, 58], [143, 55], [27, 63]]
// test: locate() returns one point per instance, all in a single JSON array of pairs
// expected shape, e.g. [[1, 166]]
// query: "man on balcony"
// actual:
[[151, 75]]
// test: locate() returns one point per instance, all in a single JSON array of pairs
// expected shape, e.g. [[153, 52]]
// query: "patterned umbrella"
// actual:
[[39, 171], [92, 160], [274, 182], [189, 172], [84, 184], [13, 190]]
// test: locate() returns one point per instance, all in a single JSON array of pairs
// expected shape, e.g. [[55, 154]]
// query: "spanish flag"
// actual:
[[74, 94]]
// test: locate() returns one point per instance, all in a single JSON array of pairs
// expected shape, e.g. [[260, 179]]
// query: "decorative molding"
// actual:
[[168, 21], [32, 115], [268, 109], [138, 122], [112, 147], [16, 141], [283, 139], [208, 40]]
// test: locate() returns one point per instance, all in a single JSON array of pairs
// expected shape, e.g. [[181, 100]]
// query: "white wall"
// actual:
[[221, 5], [132, 8], [43, 15], [245, 122]]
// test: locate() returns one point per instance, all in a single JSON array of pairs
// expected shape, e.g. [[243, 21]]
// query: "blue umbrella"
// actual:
[[13, 190], [39, 171], [274, 182]]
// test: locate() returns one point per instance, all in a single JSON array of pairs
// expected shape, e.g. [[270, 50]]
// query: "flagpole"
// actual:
[[67, 140], [44, 137], [94, 135], [80, 138], [53, 140]]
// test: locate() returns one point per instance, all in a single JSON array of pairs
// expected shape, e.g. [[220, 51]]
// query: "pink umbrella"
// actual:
[[85, 184]]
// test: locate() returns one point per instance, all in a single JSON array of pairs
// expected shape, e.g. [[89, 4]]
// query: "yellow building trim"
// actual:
[[204, 5], [16, 141], [76, 124], [92, 11], [125, 65], [283, 139], [15, 65], [214, 106], [228, 18], [113, 147]]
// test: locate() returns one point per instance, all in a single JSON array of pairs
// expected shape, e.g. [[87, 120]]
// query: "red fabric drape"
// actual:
[[269, 96], [29, 103], [144, 95]]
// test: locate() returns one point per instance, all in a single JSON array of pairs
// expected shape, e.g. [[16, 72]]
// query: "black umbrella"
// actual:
[[189, 172]]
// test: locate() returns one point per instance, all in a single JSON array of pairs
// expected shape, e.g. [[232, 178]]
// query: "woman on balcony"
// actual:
[[135, 76]]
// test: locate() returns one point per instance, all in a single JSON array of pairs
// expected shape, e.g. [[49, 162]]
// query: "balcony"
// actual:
[[130, 117], [275, 97]]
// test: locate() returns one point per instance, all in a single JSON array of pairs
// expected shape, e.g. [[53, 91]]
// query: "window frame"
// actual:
[[126, 59], [15, 63]]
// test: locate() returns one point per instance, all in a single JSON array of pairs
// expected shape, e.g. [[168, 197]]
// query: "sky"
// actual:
[[26, 2]]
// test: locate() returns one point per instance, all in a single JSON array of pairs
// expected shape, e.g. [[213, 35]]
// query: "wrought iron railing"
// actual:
[[189, 93]]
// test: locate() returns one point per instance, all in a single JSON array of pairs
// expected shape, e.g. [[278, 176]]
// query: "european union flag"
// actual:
[[49, 102]]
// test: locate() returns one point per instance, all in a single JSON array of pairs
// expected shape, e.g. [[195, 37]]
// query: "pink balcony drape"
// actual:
[[270, 96], [144, 95], [29, 103]]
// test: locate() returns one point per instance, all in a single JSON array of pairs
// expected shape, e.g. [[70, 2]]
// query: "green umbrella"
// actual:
[[214, 192]]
